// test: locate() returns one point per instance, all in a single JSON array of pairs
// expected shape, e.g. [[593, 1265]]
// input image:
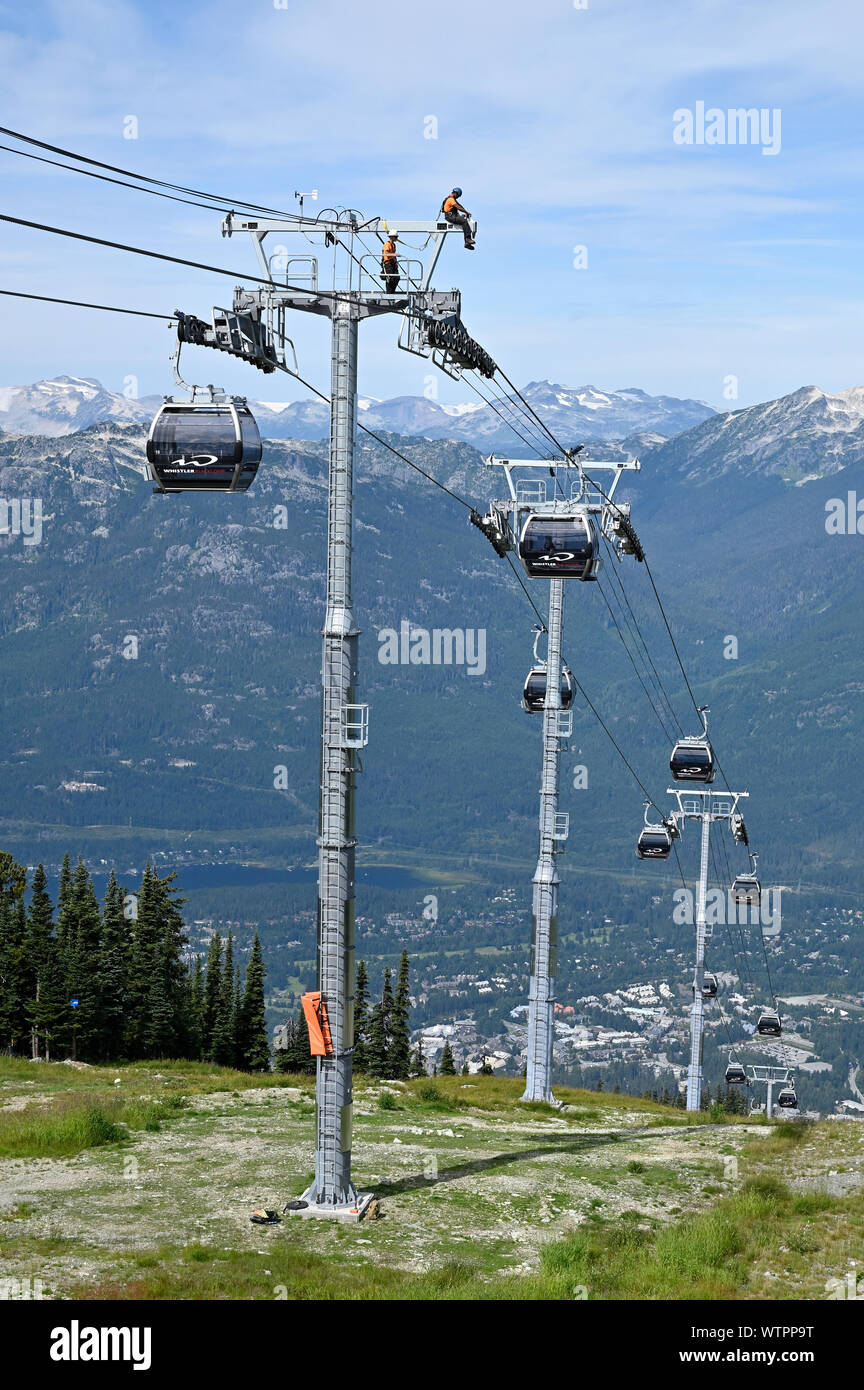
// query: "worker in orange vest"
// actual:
[[390, 264], [459, 216]]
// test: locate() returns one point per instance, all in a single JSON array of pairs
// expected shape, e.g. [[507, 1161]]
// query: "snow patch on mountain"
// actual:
[[65, 404], [798, 438]]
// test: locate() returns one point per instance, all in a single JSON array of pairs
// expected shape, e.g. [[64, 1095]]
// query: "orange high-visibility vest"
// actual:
[[450, 203], [389, 252], [320, 1041]]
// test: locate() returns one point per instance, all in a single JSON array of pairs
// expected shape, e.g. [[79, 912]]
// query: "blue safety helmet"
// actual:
[[457, 192]]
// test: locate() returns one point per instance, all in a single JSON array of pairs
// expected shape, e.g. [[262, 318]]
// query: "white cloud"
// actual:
[[557, 123]]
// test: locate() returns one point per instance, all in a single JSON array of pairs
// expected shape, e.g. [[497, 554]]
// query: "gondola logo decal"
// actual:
[[197, 461]]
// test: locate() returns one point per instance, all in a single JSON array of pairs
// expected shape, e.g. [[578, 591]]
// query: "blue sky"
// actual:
[[704, 262]]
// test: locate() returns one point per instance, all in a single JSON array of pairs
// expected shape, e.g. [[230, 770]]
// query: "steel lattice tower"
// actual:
[[344, 723], [544, 911]]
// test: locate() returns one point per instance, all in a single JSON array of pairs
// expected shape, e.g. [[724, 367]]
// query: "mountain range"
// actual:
[[65, 404], [807, 434], [226, 609]]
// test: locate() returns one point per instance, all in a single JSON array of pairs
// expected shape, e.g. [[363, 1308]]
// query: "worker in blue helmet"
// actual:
[[459, 216]]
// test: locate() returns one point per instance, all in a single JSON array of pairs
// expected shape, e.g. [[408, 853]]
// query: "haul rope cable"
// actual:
[[231, 203]]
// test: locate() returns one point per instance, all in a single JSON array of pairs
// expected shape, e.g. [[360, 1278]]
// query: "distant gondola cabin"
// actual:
[[534, 693]]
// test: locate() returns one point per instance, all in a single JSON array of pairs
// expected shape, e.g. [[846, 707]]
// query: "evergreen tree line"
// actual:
[[734, 1100], [382, 1031], [137, 997], [382, 1034]]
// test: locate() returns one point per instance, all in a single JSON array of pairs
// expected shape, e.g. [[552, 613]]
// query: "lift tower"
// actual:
[[356, 294], [590, 513], [769, 1077], [544, 900], [705, 805]]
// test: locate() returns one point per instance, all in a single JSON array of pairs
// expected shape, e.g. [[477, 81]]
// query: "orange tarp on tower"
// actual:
[[320, 1042]]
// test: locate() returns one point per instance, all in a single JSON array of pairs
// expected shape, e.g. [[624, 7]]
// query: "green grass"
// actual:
[[85, 1108], [717, 1255], [75, 1122], [718, 1247], [67, 1127], [18, 1075], [499, 1093]]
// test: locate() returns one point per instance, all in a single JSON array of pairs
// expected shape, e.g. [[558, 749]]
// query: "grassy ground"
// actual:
[[143, 1189]]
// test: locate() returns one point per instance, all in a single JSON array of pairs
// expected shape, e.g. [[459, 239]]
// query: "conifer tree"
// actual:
[[11, 1004], [13, 878], [45, 1003], [361, 1017], [195, 1010], [282, 1056], [418, 1061], [254, 1043], [114, 968], [83, 962], [448, 1064], [212, 993], [13, 967], [399, 1058], [64, 894], [157, 976], [298, 1057], [161, 1031], [21, 967], [142, 964], [236, 1018], [465, 1071], [380, 1021], [224, 1048]]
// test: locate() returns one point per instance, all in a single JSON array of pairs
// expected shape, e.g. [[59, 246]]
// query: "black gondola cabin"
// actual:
[[534, 694], [559, 546], [655, 842], [769, 1025], [692, 760], [204, 447], [747, 889]]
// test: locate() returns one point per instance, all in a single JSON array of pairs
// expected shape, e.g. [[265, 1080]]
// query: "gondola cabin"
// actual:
[[692, 760], [559, 546], [769, 1024], [654, 842], [747, 889], [204, 446], [709, 987], [735, 1075], [787, 1099], [534, 694]]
